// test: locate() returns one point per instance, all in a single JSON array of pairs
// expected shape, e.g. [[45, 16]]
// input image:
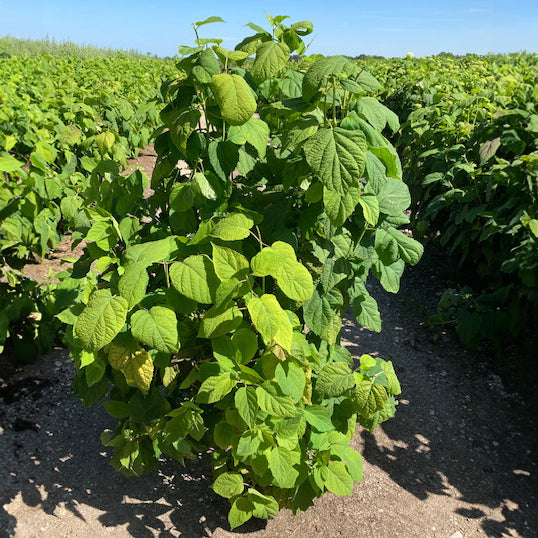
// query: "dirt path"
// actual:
[[458, 460]]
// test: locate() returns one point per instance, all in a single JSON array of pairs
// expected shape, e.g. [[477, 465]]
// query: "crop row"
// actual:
[[59, 117], [470, 147]]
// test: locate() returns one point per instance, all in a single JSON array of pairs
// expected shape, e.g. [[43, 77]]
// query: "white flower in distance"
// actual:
[[409, 55]]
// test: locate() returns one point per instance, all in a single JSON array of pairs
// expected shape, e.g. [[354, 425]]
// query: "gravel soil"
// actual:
[[457, 461]]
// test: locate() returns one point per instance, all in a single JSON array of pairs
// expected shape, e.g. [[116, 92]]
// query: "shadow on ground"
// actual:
[[457, 431], [53, 458]]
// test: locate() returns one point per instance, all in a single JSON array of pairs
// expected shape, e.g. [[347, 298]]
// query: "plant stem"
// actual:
[[334, 101]]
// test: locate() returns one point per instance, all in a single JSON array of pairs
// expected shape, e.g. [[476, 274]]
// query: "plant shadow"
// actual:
[[457, 432], [55, 463]]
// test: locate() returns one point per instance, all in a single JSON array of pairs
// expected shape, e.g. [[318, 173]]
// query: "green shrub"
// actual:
[[210, 310]]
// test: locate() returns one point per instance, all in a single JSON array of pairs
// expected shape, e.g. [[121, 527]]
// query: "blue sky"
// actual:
[[389, 28]]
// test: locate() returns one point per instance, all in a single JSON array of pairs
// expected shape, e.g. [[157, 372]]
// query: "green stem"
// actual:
[[334, 102], [325, 107], [167, 274]]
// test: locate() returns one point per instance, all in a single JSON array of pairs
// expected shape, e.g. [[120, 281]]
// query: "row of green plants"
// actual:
[[207, 315], [470, 147], [59, 118]]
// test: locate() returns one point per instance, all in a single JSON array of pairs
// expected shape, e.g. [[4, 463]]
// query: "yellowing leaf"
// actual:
[[137, 366]]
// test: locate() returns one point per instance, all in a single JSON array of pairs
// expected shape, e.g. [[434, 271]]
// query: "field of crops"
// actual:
[[469, 142], [207, 306]]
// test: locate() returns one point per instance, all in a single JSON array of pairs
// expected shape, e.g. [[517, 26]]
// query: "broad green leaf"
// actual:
[[233, 227], [254, 131], [281, 462], [370, 208], [352, 459], [334, 379], [206, 66], [368, 82], [232, 55], [209, 20], [338, 157], [366, 312], [195, 278], [393, 385], [270, 58], [369, 396], [488, 150], [217, 322], [299, 130], [101, 320], [340, 205], [386, 246], [105, 141], [389, 275], [214, 388], [248, 444], [325, 67], [204, 186], [246, 403], [228, 485], [157, 328], [136, 365], [390, 159], [318, 313], [133, 283], [270, 320], [9, 163], [265, 506], [181, 121], [410, 250], [393, 197], [246, 342], [228, 263], [94, 372], [272, 401], [336, 479], [319, 417], [152, 251], [240, 512], [377, 114], [280, 261], [234, 97], [387, 411], [291, 380]]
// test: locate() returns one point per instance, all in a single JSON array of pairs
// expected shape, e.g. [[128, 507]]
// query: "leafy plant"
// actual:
[[210, 310], [470, 147]]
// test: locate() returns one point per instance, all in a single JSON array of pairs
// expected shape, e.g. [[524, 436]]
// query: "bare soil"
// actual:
[[458, 460]]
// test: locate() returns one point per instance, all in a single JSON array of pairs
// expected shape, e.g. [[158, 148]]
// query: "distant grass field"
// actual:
[[12, 46]]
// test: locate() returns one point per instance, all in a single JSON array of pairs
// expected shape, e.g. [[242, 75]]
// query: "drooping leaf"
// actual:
[[270, 320], [338, 157], [272, 401], [136, 365], [325, 67]]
